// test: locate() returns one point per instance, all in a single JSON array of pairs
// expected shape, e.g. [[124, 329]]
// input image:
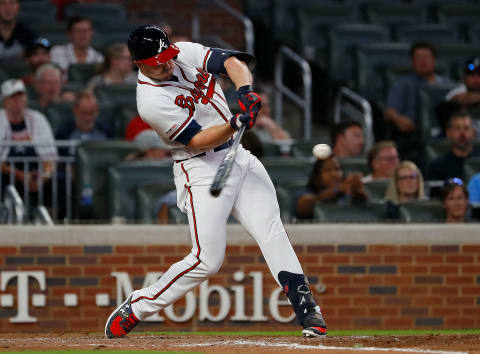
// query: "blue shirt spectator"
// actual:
[[474, 189]]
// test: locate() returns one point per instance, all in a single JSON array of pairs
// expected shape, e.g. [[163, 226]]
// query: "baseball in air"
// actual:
[[321, 151]]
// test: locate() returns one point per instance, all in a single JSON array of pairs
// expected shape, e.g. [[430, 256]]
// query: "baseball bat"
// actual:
[[226, 166]]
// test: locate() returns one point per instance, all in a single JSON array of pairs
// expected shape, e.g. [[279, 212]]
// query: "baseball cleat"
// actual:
[[121, 321], [314, 325]]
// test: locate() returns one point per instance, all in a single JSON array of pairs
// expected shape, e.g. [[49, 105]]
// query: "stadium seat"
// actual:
[[431, 32], [285, 202], [123, 114], [473, 33], [81, 73], [117, 94], [303, 148], [458, 14], [393, 14], [147, 197], [455, 55], [436, 148], [393, 73], [371, 63], [354, 165], [124, 178], [37, 12], [285, 170], [343, 39], [472, 166], [422, 212], [14, 69], [92, 162], [98, 13], [59, 115], [428, 97], [55, 32], [363, 213], [376, 189], [3, 214]]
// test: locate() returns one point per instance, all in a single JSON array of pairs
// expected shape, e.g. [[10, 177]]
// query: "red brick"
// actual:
[[444, 290], [34, 250], [122, 260], [413, 269], [129, 249], [451, 269], [308, 259], [383, 311], [383, 249], [367, 279], [353, 290], [171, 259], [367, 301], [320, 249], [251, 249], [349, 311], [184, 249], [233, 249], [446, 311], [471, 311], [67, 250], [161, 249], [319, 269], [63, 291], [335, 301], [335, 259], [459, 280], [8, 250], [413, 249], [66, 271], [391, 259], [339, 279], [471, 269], [88, 260], [471, 248], [461, 322], [460, 259], [340, 322], [471, 290], [445, 248], [131, 270], [240, 259], [460, 301], [81, 325], [397, 280], [93, 291], [97, 270], [398, 323], [428, 301], [145, 259], [429, 259], [413, 290], [368, 259]]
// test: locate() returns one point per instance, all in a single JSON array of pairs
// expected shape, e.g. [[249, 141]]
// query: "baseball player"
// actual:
[[178, 96]]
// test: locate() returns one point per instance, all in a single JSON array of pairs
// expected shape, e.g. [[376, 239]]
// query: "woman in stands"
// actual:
[[117, 68], [328, 184], [455, 201], [406, 184]]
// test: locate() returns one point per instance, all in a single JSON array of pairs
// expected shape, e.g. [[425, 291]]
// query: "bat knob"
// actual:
[[215, 192]]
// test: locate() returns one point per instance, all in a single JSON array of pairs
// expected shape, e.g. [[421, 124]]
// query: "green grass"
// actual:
[[366, 332]]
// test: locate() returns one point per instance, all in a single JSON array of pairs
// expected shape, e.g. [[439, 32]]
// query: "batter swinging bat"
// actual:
[[226, 166]]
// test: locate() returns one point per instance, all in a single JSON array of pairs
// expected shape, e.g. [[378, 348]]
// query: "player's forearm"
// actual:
[[238, 72], [212, 137]]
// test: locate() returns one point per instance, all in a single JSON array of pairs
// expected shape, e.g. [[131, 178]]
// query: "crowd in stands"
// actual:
[[47, 103]]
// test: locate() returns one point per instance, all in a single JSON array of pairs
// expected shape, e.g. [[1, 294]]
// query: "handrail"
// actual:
[[247, 23], [14, 204], [42, 217], [366, 109], [304, 103]]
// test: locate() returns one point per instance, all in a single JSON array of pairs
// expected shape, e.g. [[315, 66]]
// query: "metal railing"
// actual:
[[246, 22], [304, 103], [20, 204], [364, 108]]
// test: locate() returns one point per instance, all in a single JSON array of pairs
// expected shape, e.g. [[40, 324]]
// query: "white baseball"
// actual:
[[321, 151]]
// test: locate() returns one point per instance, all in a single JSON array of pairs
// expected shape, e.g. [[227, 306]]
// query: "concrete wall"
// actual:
[[365, 276]]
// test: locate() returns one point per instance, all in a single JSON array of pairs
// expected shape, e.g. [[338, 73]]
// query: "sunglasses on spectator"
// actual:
[[408, 177]]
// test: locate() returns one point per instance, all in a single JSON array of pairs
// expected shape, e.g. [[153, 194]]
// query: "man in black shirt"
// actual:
[[460, 133], [14, 36]]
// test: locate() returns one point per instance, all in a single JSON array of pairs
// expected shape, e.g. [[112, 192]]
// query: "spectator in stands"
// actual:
[[455, 201], [468, 93], [14, 35], [474, 190], [406, 184], [150, 145], [117, 68], [85, 127], [20, 124], [401, 107], [460, 133], [347, 139], [36, 54], [327, 184], [79, 50], [48, 85], [382, 160]]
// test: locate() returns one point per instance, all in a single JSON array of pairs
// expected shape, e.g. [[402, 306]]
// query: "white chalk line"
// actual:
[[323, 347]]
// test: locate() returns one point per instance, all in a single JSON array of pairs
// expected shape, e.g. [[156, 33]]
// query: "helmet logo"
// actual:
[[161, 45]]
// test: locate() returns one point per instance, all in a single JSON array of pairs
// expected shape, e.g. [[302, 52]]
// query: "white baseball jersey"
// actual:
[[190, 99]]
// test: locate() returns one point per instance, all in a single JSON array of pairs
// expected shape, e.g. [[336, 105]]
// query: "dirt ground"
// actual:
[[252, 344]]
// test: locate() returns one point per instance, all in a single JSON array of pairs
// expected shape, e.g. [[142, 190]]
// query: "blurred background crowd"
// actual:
[[395, 91]]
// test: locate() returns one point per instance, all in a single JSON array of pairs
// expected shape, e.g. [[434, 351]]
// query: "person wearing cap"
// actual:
[[150, 145], [14, 35], [79, 50], [85, 126], [35, 55], [468, 93], [20, 124]]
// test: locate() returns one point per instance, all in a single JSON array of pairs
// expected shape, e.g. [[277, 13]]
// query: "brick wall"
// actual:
[[366, 285]]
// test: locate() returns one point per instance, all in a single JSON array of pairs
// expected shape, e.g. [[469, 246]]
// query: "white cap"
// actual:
[[149, 139], [11, 87]]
